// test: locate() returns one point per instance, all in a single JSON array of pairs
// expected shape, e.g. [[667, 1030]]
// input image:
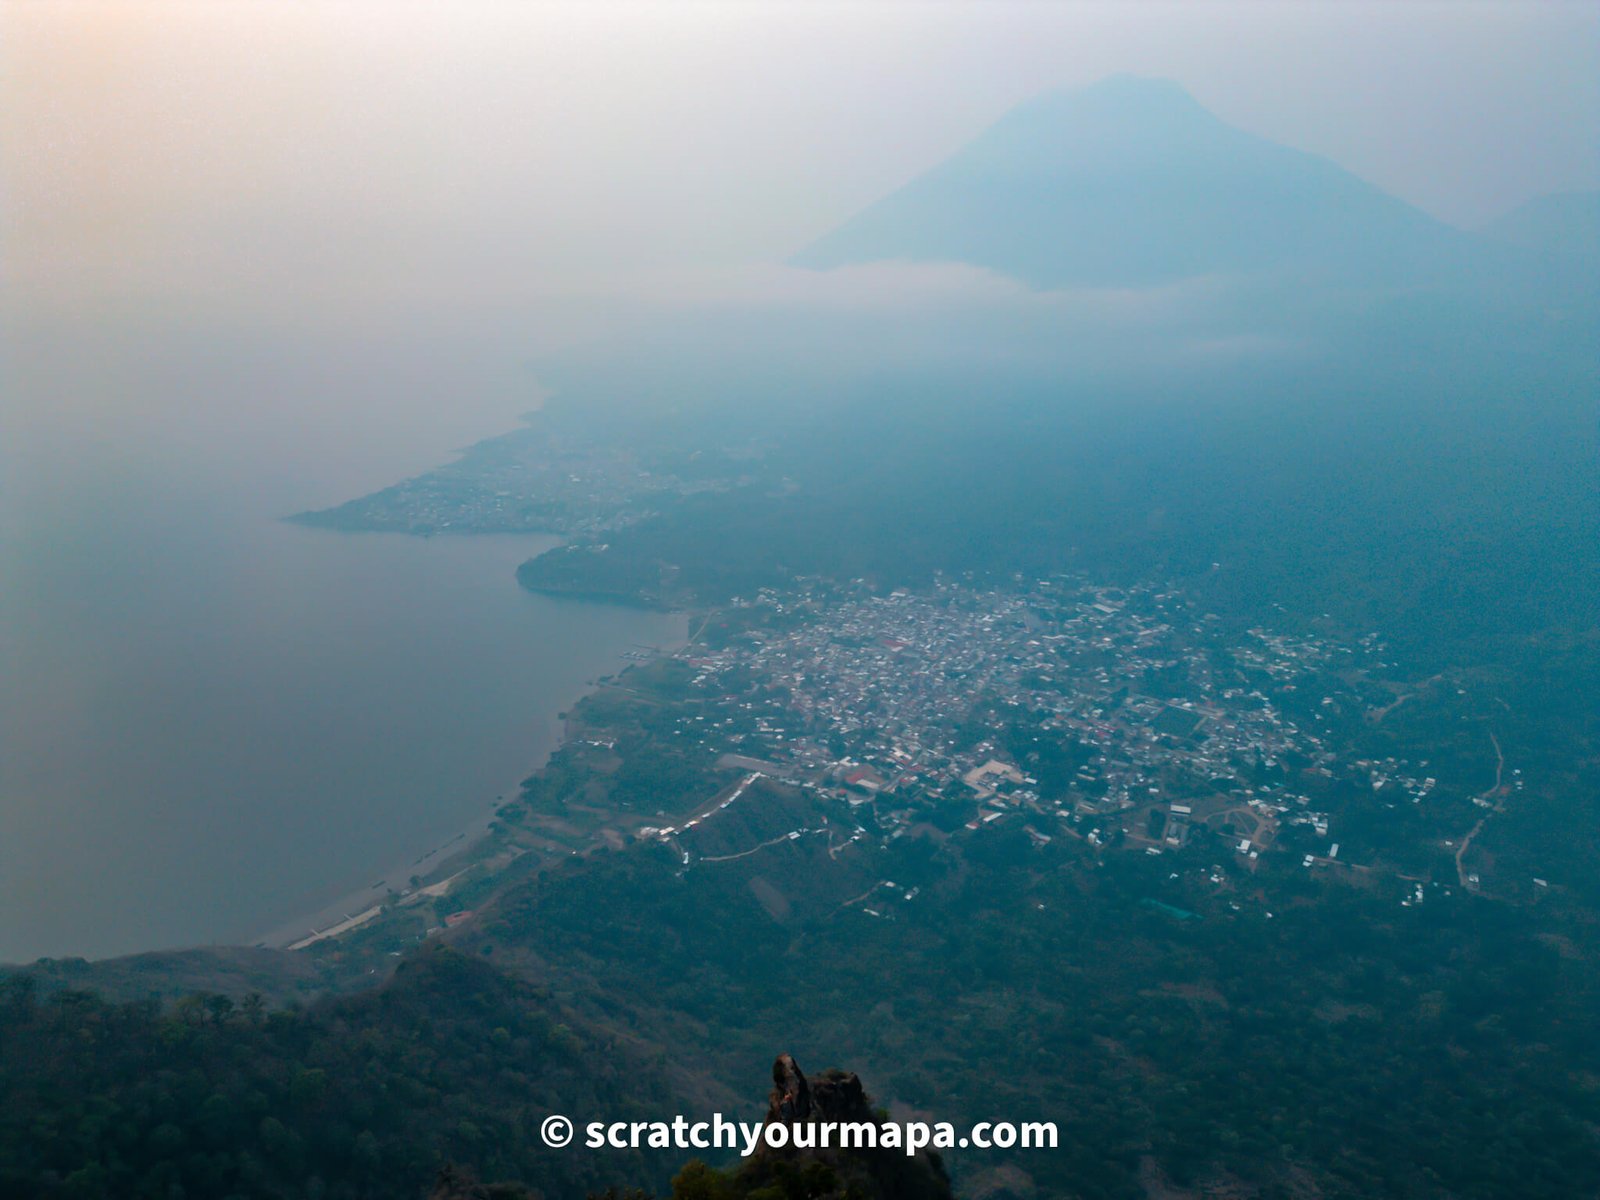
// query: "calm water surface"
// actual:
[[212, 722]]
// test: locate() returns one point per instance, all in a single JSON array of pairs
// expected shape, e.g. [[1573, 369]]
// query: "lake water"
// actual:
[[212, 722]]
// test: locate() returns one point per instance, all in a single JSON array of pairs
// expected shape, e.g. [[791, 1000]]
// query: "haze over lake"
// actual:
[[211, 721]]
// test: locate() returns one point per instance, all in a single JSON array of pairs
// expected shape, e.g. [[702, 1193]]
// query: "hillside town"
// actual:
[[1121, 716]]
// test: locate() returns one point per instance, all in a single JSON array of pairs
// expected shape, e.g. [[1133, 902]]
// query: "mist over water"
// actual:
[[261, 259], [214, 721]]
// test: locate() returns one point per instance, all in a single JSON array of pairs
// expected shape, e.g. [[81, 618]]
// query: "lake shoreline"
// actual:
[[448, 857], [402, 722]]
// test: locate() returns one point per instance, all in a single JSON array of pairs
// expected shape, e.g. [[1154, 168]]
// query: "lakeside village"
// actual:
[[1123, 719], [1118, 716]]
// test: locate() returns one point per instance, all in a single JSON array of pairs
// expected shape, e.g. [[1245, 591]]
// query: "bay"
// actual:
[[212, 721]]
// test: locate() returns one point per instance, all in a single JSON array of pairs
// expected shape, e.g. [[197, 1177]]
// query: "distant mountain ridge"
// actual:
[[1131, 182], [1564, 223]]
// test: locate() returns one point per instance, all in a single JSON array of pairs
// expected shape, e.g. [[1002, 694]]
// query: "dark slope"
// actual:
[[359, 1098], [233, 971]]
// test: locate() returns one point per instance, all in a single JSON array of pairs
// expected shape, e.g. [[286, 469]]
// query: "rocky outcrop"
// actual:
[[791, 1096], [835, 1096]]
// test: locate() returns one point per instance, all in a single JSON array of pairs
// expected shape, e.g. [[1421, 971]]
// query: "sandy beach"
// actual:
[[450, 854], [396, 879]]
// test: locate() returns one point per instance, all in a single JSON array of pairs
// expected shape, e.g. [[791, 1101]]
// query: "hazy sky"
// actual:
[[318, 160], [265, 256]]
